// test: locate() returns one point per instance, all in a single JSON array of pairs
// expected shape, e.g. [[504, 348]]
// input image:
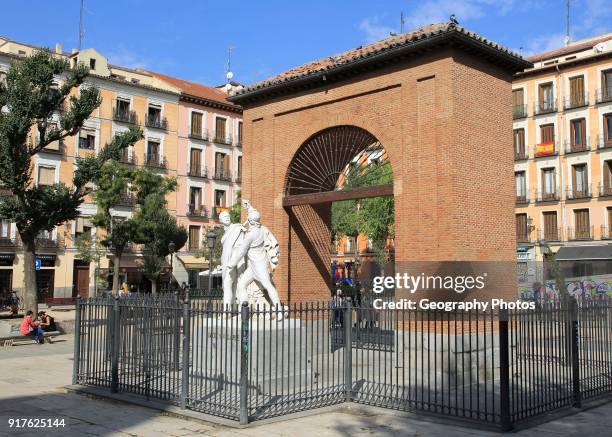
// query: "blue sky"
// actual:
[[189, 39]]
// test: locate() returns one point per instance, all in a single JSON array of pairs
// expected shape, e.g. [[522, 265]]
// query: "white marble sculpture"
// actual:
[[252, 257], [232, 237]]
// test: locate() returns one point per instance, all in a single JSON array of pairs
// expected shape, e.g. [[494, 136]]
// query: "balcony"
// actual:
[[196, 211], [522, 199], [127, 199], [606, 233], [577, 234], [519, 111], [124, 116], [222, 138], [222, 174], [523, 237], [48, 242], [605, 190], [604, 95], [520, 155], [197, 172], [576, 148], [203, 136], [128, 159], [156, 122], [545, 149], [545, 107], [7, 243], [544, 196], [573, 193], [603, 142], [154, 160], [575, 102], [58, 147], [554, 234]]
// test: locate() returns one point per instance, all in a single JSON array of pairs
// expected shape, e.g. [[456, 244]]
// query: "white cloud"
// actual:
[[123, 57], [374, 30], [543, 43]]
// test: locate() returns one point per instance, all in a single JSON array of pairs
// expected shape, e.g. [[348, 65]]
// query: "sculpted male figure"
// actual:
[[253, 250], [231, 238]]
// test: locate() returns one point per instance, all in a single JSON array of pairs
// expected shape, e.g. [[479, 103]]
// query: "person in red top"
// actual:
[[30, 327]]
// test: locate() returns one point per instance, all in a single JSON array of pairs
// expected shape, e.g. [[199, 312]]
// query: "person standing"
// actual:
[[30, 327]]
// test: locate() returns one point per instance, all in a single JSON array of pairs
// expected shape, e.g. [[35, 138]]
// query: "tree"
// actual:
[[31, 101], [90, 250], [216, 255], [236, 209]]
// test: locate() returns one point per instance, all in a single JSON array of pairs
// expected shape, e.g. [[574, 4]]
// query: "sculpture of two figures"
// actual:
[[249, 256]]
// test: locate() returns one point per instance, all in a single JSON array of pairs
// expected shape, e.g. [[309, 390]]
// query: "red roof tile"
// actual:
[[572, 48]]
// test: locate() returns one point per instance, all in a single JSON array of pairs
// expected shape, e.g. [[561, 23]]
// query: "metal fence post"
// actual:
[[348, 354], [504, 372], [244, 363], [177, 332], [115, 346], [186, 342], [76, 362], [575, 358]]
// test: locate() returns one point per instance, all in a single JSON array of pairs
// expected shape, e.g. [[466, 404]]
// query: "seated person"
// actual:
[[46, 322], [30, 327]]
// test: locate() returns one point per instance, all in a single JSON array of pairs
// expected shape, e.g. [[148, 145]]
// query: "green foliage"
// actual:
[[373, 217], [88, 249], [216, 255], [236, 209]]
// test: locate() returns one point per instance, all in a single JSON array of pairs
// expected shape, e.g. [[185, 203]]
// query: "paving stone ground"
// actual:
[[32, 378]]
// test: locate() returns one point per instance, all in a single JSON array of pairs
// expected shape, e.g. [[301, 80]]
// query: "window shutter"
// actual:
[[195, 160], [220, 128], [607, 177], [226, 163], [46, 175]]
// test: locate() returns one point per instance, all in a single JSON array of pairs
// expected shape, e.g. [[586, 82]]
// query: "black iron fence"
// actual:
[[496, 367]]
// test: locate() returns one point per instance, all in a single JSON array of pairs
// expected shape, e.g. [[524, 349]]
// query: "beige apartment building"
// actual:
[[128, 97], [563, 158]]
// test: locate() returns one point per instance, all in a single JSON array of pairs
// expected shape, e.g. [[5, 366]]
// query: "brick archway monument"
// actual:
[[438, 99]]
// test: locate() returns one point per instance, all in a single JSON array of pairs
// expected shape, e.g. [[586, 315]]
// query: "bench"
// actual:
[[11, 340]]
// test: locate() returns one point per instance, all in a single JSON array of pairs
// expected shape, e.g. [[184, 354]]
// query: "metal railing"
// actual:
[[200, 172], [154, 160], [584, 233], [519, 156], [125, 116], [575, 148], [550, 234], [606, 233], [199, 135], [196, 211], [576, 101], [523, 237], [605, 190], [555, 151], [222, 174], [603, 143], [8, 242], [49, 242], [545, 196], [604, 95], [574, 193], [156, 122], [127, 158], [522, 199], [222, 138], [519, 111], [545, 107], [499, 367]]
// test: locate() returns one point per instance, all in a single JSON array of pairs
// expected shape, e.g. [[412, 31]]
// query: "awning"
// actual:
[[573, 253], [192, 262], [134, 263]]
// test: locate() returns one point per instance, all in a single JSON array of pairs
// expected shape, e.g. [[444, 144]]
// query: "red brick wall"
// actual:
[[445, 122]]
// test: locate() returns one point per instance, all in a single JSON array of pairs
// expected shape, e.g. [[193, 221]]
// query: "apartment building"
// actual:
[[562, 109], [128, 97], [209, 168]]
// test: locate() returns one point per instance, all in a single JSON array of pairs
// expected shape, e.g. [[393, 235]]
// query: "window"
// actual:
[[519, 143], [221, 165], [580, 180], [220, 198], [576, 91], [239, 132], [5, 228], [547, 133], [92, 64], [551, 232], [195, 199], [582, 223], [518, 103], [196, 124], [521, 189], [87, 139], [83, 226], [607, 127], [195, 165], [220, 132], [194, 237], [608, 231], [606, 84], [153, 156], [154, 118], [549, 186], [578, 134], [349, 244], [521, 228], [46, 175], [546, 97], [606, 189], [239, 176], [122, 110]]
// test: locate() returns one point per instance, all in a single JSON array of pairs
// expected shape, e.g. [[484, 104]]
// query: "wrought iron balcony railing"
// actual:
[[222, 138], [604, 95], [157, 122], [8, 243], [545, 107], [203, 135], [606, 233], [125, 116], [553, 234], [574, 193], [126, 158], [196, 211], [48, 242], [154, 160], [583, 233], [605, 190], [222, 174], [200, 172], [542, 153], [546, 196], [570, 147], [523, 237], [520, 155], [519, 111], [603, 142], [575, 101], [523, 198]]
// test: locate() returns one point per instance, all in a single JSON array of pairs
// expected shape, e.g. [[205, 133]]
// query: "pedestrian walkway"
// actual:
[[32, 379]]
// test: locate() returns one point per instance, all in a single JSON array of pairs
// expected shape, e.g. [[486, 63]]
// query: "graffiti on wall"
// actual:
[[584, 288]]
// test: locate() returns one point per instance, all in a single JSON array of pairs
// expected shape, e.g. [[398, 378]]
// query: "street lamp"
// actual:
[[211, 238], [171, 249]]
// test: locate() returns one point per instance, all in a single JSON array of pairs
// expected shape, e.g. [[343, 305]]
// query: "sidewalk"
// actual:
[[32, 379]]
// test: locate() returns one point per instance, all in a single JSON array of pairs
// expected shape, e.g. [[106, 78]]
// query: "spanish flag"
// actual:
[[545, 149]]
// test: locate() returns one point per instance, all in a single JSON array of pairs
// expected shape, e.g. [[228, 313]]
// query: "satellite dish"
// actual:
[[228, 87], [599, 47], [229, 75]]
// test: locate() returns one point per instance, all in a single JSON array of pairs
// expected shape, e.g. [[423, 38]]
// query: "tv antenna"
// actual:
[[81, 30], [567, 22], [402, 22], [229, 75]]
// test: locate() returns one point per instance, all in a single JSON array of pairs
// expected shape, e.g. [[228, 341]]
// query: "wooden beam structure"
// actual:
[[336, 196]]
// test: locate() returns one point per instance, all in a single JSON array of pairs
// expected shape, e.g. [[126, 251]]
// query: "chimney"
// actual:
[[58, 48]]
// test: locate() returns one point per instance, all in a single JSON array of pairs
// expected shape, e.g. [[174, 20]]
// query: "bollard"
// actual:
[[244, 363]]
